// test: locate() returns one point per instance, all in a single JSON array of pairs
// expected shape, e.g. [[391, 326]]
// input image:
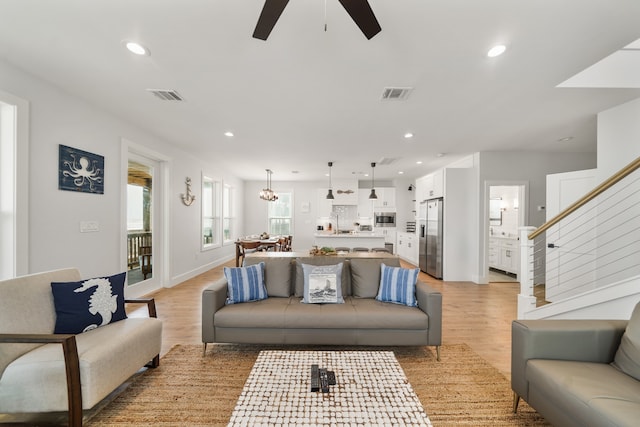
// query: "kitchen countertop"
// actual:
[[359, 234], [302, 254]]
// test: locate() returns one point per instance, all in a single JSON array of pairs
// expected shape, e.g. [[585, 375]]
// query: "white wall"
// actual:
[[54, 238], [518, 167], [304, 225], [618, 138]]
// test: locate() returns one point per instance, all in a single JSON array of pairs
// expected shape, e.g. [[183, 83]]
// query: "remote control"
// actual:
[[315, 378], [324, 381], [331, 376]]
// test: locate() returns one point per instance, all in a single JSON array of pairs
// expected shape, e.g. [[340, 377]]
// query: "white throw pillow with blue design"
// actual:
[[398, 285], [322, 284], [245, 284]]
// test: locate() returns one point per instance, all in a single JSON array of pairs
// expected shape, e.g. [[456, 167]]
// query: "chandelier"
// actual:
[[267, 193]]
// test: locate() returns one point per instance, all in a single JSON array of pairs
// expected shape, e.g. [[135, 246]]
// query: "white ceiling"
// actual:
[[305, 96]]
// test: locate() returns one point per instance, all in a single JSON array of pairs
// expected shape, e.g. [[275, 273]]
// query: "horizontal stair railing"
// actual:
[[594, 242]]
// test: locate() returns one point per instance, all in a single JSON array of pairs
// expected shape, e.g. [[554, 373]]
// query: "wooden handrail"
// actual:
[[614, 179]]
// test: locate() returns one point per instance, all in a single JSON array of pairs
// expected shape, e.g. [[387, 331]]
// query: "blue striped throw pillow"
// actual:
[[245, 284], [398, 285]]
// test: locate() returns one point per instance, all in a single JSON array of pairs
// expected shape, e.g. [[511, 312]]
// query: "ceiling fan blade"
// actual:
[[363, 16], [270, 14]]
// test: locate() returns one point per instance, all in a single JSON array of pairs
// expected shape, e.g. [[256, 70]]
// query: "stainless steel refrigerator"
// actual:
[[422, 234], [431, 238]]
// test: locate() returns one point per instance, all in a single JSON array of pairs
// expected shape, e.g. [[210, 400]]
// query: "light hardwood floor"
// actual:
[[477, 315]]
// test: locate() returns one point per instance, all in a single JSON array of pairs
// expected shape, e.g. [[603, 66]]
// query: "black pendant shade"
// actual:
[[330, 193], [373, 190]]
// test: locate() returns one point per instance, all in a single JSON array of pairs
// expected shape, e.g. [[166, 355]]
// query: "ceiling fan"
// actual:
[[359, 10]]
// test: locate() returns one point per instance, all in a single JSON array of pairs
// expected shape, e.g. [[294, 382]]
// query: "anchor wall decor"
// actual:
[[189, 197]]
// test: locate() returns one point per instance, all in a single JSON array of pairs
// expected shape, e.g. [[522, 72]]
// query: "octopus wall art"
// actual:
[[80, 171]]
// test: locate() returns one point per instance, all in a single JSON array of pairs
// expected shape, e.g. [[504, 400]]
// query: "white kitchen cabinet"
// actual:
[[389, 234], [430, 186], [407, 247], [504, 254], [386, 198], [365, 204]]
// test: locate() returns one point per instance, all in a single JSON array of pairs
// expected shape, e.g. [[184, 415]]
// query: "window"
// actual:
[[211, 211], [280, 215], [227, 214]]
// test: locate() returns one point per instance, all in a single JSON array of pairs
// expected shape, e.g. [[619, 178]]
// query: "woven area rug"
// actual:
[[188, 389]]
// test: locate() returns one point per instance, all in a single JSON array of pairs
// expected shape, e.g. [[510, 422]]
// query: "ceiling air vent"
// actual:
[[385, 161], [396, 93], [166, 95]]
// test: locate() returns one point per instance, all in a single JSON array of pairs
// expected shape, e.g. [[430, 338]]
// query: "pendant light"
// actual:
[[267, 193], [373, 190], [330, 193]]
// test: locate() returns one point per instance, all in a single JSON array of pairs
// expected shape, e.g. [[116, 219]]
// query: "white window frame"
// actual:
[[228, 214], [212, 222], [291, 210]]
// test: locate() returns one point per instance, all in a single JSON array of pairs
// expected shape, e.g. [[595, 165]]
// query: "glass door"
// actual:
[[140, 219]]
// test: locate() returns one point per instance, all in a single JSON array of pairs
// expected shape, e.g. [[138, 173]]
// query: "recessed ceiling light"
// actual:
[[400, 172], [228, 133], [136, 48], [408, 135], [419, 162], [496, 51]]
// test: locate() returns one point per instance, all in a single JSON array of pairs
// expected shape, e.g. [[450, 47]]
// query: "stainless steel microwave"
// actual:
[[384, 219]]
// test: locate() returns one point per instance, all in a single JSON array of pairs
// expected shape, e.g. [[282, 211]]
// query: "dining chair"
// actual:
[[356, 249], [144, 256], [244, 248], [342, 249]]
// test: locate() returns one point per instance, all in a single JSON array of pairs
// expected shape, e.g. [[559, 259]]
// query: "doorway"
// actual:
[[144, 217], [140, 216], [507, 213]]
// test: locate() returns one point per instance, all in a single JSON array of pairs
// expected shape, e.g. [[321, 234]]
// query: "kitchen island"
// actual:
[[367, 240]]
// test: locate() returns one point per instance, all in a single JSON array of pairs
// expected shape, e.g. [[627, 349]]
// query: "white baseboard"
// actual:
[[176, 280]]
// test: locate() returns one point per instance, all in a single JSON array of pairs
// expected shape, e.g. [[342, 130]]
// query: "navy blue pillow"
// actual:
[[88, 304]]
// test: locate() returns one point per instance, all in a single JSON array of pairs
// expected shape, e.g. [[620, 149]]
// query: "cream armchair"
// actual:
[[45, 372]]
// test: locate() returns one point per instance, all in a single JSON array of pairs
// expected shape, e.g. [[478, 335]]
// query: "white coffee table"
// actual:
[[371, 390]]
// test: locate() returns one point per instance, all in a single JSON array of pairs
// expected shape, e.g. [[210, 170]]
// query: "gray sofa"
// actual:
[[578, 372], [283, 319]]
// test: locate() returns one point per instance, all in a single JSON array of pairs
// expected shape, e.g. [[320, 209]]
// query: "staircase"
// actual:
[[587, 257]]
